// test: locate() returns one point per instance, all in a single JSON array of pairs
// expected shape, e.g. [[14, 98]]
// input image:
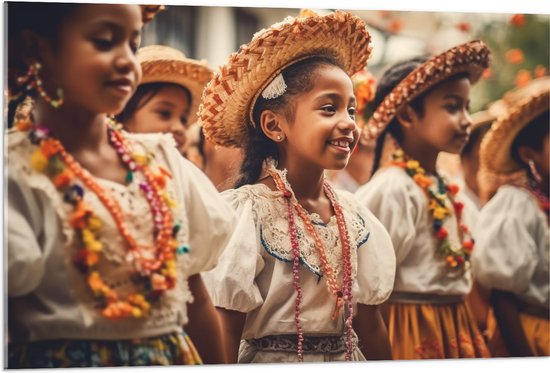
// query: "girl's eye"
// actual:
[[183, 121], [103, 44], [452, 108], [328, 109], [164, 114], [352, 112], [134, 47]]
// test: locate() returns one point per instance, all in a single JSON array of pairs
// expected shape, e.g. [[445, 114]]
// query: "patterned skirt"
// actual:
[[434, 331], [169, 349]]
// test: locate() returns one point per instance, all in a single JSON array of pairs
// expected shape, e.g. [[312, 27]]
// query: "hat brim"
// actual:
[[228, 99], [495, 150], [187, 73], [471, 58]]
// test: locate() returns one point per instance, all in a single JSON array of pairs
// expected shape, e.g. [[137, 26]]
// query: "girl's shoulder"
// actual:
[[258, 194]]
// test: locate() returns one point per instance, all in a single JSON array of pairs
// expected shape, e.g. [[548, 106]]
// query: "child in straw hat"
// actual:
[[168, 95], [107, 231], [420, 110], [512, 258], [307, 266]]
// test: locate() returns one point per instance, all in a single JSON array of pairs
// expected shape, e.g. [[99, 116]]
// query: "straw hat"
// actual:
[[163, 64], [495, 152], [229, 98], [472, 57], [149, 11]]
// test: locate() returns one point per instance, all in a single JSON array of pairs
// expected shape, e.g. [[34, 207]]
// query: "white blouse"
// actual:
[[254, 274], [48, 296], [402, 207], [513, 246]]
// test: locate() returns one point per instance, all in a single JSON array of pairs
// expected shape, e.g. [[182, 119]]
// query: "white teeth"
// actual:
[[340, 143]]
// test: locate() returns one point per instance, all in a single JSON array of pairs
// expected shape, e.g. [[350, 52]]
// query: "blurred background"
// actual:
[[520, 42]]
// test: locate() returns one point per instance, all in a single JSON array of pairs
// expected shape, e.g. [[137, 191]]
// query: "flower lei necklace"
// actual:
[[455, 257], [155, 272], [343, 295]]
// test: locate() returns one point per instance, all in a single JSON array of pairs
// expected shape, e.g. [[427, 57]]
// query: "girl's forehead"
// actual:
[[119, 13]]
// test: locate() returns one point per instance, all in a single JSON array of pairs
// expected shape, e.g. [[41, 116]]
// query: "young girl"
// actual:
[[513, 254], [107, 232], [423, 105], [302, 275], [169, 94]]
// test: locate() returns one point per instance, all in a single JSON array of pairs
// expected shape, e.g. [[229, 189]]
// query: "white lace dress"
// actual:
[[254, 274], [48, 296]]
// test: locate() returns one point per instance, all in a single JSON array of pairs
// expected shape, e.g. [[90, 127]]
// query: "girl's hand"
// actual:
[[204, 325], [374, 341]]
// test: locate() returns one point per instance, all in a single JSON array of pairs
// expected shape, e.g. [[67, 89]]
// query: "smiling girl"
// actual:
[[301, 277], [168, 97], [421, 109], [105, 235]]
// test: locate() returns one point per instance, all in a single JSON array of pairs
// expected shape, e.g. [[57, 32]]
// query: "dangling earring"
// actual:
[[534, 171], [32, 81]]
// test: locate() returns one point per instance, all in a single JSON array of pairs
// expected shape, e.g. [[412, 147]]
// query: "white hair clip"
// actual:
[[275, 89]]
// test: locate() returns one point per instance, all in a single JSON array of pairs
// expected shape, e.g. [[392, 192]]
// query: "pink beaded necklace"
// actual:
[[343, 294]]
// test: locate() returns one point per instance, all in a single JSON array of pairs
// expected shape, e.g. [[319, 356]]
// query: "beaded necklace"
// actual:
[[343, 294], [154, 272], [455, 257]]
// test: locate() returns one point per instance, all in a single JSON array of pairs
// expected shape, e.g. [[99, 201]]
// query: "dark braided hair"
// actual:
[[393, 76], [531, 136], [299, 79], [44, 19]]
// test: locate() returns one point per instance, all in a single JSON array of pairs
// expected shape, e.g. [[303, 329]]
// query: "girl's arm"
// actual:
[[233, 324], [373, 335], [507, 316], [204, 326]]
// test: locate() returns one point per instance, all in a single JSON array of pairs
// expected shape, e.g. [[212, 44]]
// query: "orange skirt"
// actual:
[[434, 331], [537, 332]]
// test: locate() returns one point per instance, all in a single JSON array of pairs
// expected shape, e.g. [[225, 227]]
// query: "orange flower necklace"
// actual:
[[155, 272], [343, 294], [455, 257]]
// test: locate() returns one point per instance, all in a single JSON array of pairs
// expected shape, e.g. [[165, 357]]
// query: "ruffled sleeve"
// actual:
[[391, 198], [505, 255], [375, 261], [25, 257], [231, 283], [210, 219]]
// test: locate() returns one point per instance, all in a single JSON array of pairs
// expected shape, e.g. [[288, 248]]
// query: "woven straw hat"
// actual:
[[230, 96], [163, 64], [472, 57], [495, 151]]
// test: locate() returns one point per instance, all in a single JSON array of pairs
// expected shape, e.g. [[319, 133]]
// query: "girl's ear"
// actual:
[[406, 116], [270, 123], [30, 47]]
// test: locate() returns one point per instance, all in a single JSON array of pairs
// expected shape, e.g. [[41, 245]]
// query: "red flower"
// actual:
[[460, 260], [517, 20], [396, 25], [514, 56], [464, 26], [540, 71], [452, 188], [523, 78], [441, 234], [459, 206]]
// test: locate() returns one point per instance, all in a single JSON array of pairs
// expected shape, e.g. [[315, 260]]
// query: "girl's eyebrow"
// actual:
[[453, 95], [334, 96], [114, 26], [166, 103]]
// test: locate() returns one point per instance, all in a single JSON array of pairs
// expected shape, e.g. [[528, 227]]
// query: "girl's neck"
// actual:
[[76, 129], [306, 181], [425, 155]]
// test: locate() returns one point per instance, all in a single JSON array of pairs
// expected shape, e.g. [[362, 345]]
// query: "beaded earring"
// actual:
[[32, 81], [534, 171]]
